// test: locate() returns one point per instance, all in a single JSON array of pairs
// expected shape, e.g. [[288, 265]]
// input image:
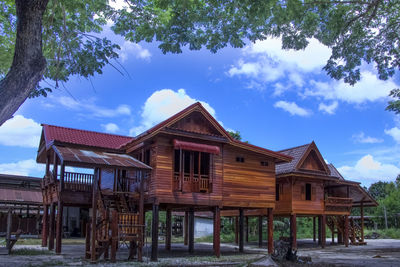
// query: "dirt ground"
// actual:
[[379, 252]]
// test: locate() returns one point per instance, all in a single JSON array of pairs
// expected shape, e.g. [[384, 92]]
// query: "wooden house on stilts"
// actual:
[[186, 163]]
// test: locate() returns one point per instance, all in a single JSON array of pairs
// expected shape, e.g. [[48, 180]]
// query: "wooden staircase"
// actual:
[[355, 233], [118, 222], [338, 222]]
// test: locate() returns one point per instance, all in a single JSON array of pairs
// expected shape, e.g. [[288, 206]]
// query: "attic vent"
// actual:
[[240, 159], [264, 163]]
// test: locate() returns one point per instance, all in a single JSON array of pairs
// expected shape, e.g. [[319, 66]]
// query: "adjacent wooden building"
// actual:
[[308, 186], [186, 163]]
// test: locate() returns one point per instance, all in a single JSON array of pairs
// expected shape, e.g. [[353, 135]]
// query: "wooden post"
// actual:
[[93, 256], [346, 230], [293, 232], [186, 228], [8, 234], [323, 230], [59, 226], [270, 231], [319, 230], [191, 230], [51, 225], [141, 217], [333, 234], [154, 233], [236, 230], [168, 230], [62, 170], [247, 229], [362, 220], [114, 235], [241, 230], [217, 229], [260, 231], [45, 225], [55, 167], [314, 230], [87, 241]]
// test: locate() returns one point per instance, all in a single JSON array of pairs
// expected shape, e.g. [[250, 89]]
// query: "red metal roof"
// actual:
[[83, 137]]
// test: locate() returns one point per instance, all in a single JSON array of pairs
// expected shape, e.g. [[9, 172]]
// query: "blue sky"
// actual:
[[276, 99]]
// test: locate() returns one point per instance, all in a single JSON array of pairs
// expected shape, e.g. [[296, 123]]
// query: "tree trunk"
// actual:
[[29, 63]]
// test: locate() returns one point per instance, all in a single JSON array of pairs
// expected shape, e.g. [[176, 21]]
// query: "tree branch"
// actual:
[[28, 63]]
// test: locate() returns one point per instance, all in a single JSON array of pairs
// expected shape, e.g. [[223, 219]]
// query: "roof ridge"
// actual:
[[89, 131], [294, 147]]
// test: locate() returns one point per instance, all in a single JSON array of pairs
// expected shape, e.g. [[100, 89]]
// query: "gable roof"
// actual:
[[299, 154], [198, 107], [181, 114], [53, 133]]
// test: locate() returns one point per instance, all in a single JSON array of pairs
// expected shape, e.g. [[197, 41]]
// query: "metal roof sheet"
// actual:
[[84, 157]]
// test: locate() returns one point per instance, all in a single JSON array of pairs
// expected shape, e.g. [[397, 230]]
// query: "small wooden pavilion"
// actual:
[[186, 163]]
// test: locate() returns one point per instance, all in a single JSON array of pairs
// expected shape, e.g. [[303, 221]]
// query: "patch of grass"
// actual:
[[393, 233], [29, 252]]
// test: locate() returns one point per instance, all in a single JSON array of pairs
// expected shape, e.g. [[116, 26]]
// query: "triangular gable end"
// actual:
[[197, 122], [173, 121], [312, 160]]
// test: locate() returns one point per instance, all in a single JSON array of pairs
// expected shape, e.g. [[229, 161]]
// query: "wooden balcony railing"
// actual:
[[196, 183], [78, 181], [129, 184], [338, 204]]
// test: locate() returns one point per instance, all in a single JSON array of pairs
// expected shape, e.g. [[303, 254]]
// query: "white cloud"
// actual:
[[279, 89], [329, 109], [90, 108], [20, 131], [265, 61], [362, 138], [395, 133], [110, 127], [161, 105], [27, 167], [129, 48], [292, 108], [369, 88], [314, 56], [368, 168]]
